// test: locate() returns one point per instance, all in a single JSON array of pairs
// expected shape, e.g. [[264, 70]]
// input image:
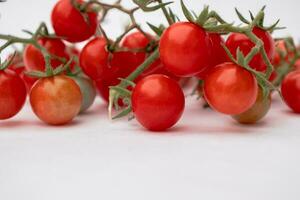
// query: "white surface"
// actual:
[[207, 156]]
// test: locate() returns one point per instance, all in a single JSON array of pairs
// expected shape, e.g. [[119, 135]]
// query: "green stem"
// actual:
[[166, 13], [144, 66], [13, 39]]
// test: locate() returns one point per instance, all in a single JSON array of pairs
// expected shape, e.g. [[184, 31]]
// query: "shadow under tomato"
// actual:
[[10, 123], [96, 110], [290, 112]]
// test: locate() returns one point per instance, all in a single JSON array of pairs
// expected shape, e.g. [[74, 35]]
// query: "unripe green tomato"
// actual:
[[88, 91], [257, 111]]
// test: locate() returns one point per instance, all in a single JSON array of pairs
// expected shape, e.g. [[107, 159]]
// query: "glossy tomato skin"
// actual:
[[257, 112], [34, 60], [219, 54], [12, 94], [56, 100], [70, 24], [157, 102], [135, 40], [238, 40], [185, 49], [281, 48], [88, 91], [94, 60], [230, 89], [21, 71], [290, 89]]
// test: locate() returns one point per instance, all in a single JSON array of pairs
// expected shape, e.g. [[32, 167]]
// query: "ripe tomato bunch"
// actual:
[[235, 69]]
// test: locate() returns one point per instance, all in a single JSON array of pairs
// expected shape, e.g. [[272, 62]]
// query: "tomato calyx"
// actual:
[[260, 22], [53, 72]]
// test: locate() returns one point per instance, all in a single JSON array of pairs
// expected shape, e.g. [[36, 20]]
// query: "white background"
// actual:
[[206, 156]]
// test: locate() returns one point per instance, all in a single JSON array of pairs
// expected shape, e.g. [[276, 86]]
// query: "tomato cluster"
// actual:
[[142, 73]]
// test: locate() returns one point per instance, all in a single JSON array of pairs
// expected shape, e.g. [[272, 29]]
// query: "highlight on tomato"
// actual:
[[157, 102], [230, 89], [56, 100], [185, 49]]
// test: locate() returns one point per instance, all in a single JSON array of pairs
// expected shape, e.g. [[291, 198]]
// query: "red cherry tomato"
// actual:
[[135, 41], [138, 41], [12, 94], [34, 60], [157, 102], [20, 70], [69, 23], [185, 49], [290, 89], [230, 89], [238, 40], [219, 54], [94, 60], [56, 100], [281, 48], [297, 65]]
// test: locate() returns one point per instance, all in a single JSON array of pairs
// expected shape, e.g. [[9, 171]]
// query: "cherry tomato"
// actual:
[[138, 41], [88, 91], [239, 40], [70, 24], [21, 71], [281, 48], [297, 65], [135, 41], [34, 60], [12, 94], [257, 112], [103, 88], [56, 100], [94, 60], [219, 54], [290, 89], [230, 89], [185, 49], [157, 102]]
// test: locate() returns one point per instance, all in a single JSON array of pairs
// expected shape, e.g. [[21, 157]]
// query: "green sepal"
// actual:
[[188, 15], [241, 17], [121, 91], [157, 30], [62, 68], [28, 32], [36, 74], [124, 113], [174, 17], [251, 15], [144, 5], [240, 57], [203, 16]]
